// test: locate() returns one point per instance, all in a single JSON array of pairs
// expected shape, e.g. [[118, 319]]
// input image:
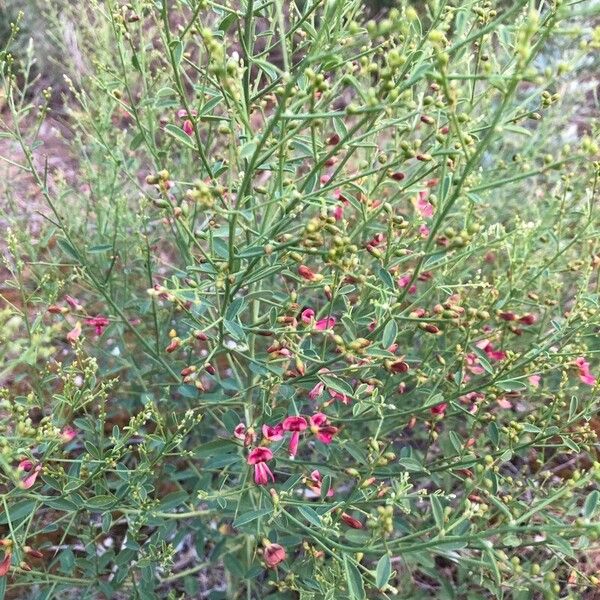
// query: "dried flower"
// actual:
[[273, 555]]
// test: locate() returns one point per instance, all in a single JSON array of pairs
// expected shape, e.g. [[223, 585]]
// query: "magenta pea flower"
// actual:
[[528, 319], [321, 428], [315, 484], [98, 323], [307, 315], [323, 324], [246, 434], [585, 375], [240, 431], [68, 433], [424, 207], [182, 113], [31, 472], [308, 274], [73, 303], [316, 391], [398, 366], [473, 364], [74, 334], [295, 425], [258, 458], [439, 410], [489, 350], [404, 281], [273, 433], [5, 564]]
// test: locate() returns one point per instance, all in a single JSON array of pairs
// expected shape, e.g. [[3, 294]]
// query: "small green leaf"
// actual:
[[389, 334], [386, 278], [511, 385], [251, 516], [17, 511], [383, 571], [235, 329], [310, 515], [247, 150], [68, 249], [337, 385], [591, 502], [573, 407], [356, 588], [438, 511], [179, 134], [100, 502], [177, 51], [227, 22], [493, 433], [411, 464]]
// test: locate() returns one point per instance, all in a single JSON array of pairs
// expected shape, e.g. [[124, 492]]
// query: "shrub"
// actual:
[[314, 313]]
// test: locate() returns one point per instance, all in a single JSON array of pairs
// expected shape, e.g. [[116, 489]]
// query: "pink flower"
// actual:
[[424, 231], [188, 127], [473, 364], [240, 431], [74, 334], [328, 323], [73, 303], [472, 398], [504, 403], [273, 555], [183, 114], [295, 425], [32, 472], [68, 433], [98, 323], [274, 433], [321, 428], [404, 281], [584, 371], [488, 348], [6, 561], [528, 319], [258, 458], [247, 435], [315, 483], [424, 207], [316, 391], [534, 380], [307, 315], [439, 409], [339, 396], [398, 366], [306, 273]]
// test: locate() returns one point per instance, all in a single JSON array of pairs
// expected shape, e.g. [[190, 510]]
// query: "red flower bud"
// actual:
[[351, 521], [528, 319]]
